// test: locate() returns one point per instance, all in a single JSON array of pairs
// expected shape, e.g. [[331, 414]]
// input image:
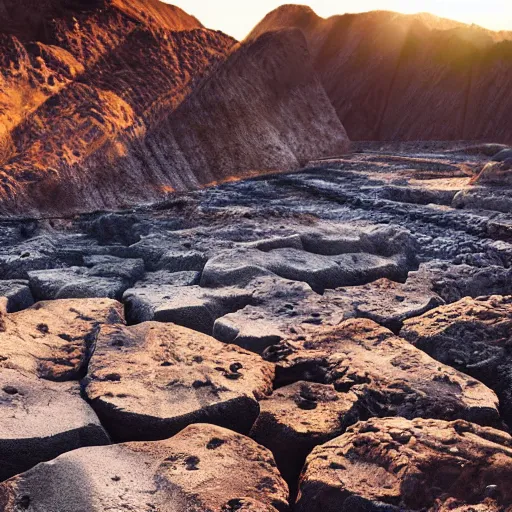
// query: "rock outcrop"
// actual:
[[40, 420], [474, 336], [203, 468], [53, 340], [128, 93], [397, 465], [391, 77]]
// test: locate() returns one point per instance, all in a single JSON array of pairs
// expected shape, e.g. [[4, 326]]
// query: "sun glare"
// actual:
[[238, 18]]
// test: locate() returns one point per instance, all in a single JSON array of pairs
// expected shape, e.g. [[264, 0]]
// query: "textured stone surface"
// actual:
[[389, 376], [203, 468], [39, 420], [474, 336], [151, 380], [17, 293], [189, 306], [393, 465], [53, 340], [298, 417]]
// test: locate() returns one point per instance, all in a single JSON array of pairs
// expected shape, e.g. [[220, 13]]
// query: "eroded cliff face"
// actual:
[[122, 102], [399, 77]]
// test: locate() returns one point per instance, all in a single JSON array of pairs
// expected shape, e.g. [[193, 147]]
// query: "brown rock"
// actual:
[[204, 467], [151, 380], [495, 173], [298, 417], [474, 336], [53, 339], [389, 376], [39, 420], [269, 112], [397, 465]]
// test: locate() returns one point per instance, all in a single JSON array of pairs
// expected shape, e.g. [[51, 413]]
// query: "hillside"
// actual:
[[408, 77], [261, 110], [90, 102]]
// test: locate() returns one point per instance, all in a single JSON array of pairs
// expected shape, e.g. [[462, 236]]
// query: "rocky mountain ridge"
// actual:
[[408, 77]]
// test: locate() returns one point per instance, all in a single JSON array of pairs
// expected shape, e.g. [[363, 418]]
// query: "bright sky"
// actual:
[[238, 17]]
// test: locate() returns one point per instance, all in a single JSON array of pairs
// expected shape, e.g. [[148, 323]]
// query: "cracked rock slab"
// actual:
[[298, 417], [474, 336], [40, 420], [283, 309], [74, 283], [151, 380], [396, 465], [190, 306], [53, 340], [389, 376], [204, 467], [318, 271]]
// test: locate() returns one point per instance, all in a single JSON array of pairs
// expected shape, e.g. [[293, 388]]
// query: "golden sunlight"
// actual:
[[238, 18]]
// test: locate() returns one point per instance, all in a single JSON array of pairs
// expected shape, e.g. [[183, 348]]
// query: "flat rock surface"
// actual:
[[39, 420], [388, 218], [205, 467], [393, 464], [151, 380], [474, 336], [389, 376], [53, 340]]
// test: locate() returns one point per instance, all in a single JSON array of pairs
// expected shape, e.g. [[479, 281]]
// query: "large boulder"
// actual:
[[474, 336], [39, 420], [203, 468], [151, 380], [389, 376], [396, 465], [54, 340]]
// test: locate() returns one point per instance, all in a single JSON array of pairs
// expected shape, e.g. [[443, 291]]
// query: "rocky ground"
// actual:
[[337, 339]]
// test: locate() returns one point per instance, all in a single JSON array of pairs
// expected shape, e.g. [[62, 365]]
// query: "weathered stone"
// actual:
[[453, 282], [17, 293], [74, 283], [190, 306], [397, 465], [319, 271], [151, 380], [389, 376], [178, 261], [502, 155], [474, 336], [298, 417], [115, 228], [39, 420], [129, 270], [281, 309], [204, 467], [53, 340]]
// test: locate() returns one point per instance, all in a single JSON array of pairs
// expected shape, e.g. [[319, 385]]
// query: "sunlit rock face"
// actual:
[[397, 77], [98, 98]]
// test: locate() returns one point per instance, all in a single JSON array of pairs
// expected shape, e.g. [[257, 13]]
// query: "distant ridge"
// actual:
[[408, 77]]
